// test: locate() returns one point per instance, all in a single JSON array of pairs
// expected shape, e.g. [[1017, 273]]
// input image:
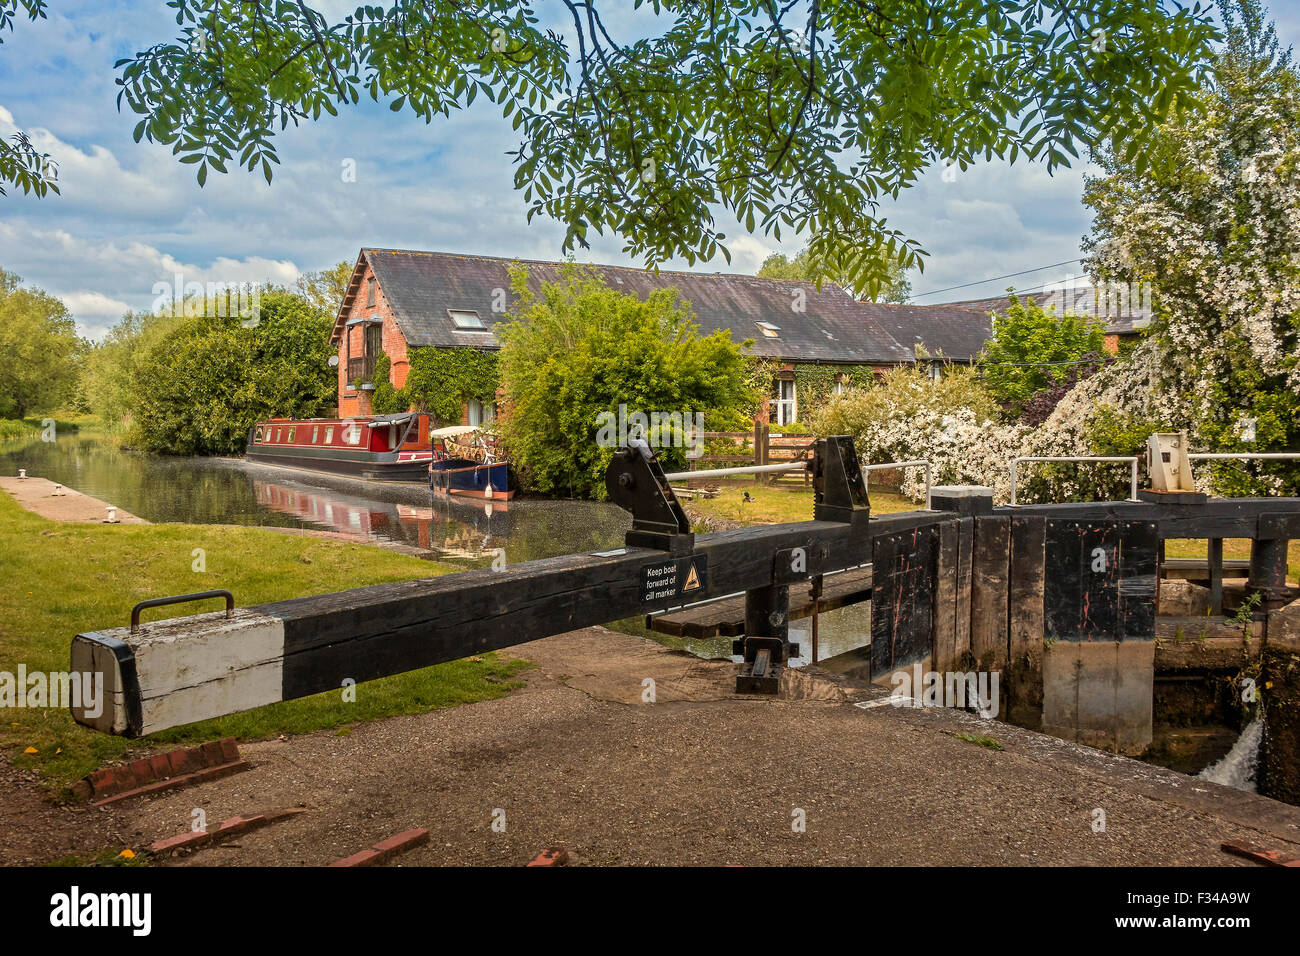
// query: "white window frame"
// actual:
[[485, 412], [464, 315], [785, 408]]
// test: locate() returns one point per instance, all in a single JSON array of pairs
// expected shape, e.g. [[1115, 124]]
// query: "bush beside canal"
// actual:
[[57, 580]]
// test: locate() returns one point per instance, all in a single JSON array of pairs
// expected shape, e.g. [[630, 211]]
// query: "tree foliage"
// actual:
[[210, 378], [21, 163], [895, 288], [794, 117], [39, 349], [1033, 349], [1212, 221], [578, 349], [106, 386], [324, 289]]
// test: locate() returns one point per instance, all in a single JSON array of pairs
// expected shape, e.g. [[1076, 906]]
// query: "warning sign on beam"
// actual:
[[683, 577]]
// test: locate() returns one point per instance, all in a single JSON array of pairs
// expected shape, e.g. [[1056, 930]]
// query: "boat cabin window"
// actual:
[[352, 435], [329, 434], [292, 432], [257, 438], [279, 432], [315, 433]]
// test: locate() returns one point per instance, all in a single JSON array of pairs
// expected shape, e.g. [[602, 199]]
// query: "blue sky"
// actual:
[[130, 216]]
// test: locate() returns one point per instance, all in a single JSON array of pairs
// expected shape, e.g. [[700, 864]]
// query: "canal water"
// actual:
[[469, 534]]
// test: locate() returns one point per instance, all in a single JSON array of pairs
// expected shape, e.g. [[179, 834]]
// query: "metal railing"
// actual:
[[800, 466], [1131, 459], [901, 464], [1244, 456]]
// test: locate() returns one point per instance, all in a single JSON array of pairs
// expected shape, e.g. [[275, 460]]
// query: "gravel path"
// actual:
[[578, 760]]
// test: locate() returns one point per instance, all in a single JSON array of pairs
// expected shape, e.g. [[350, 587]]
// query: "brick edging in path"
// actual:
[[198, 838], [385, 850], [167, 771]]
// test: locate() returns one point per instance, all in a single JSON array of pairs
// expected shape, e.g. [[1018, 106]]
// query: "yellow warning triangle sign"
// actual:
[[692, 580]]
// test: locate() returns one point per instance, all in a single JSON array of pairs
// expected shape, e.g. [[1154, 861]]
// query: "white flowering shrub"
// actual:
[[953, 424], [1210, 214]]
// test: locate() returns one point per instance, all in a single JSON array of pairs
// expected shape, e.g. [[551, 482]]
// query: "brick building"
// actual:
[[401, 300]]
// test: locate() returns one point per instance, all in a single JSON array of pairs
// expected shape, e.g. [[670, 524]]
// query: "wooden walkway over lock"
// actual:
[[1055, 598]]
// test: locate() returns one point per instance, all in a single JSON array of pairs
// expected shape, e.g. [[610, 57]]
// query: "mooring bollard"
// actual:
[[22, 473], [112, 515], [58, 491]]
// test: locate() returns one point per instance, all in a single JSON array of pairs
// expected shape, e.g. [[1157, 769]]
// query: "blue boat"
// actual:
[[465, 466]]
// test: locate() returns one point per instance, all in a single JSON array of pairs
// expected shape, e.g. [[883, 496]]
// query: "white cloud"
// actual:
[[99, 280], [94, 312]]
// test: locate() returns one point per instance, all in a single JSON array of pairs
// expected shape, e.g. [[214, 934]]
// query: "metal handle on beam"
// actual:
[[180, 599], [881, 466]]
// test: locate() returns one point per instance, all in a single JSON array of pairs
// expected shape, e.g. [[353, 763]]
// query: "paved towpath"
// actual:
[[581, 759], [60, 503]]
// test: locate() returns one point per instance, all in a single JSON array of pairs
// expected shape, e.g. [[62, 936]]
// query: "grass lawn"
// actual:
[[778, 504], [60, 579]]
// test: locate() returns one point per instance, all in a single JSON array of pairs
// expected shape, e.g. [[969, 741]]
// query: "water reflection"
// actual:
[[233, 491], [463, 532]]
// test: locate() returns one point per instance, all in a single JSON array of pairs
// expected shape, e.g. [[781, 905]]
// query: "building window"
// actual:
[[370, 292], [841, 384], [770, 330], [480, 413], [466, 320], [784, 407]]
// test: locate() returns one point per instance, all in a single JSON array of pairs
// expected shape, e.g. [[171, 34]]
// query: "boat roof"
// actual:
[[452, 431], [394, 419]]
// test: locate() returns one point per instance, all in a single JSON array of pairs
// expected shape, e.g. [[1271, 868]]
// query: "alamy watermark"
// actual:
[[656, 429], [1107, 302], [236, 300], [977, 690], [59, 689]]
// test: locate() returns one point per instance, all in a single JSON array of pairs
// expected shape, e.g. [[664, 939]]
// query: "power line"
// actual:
[[1011, 275]]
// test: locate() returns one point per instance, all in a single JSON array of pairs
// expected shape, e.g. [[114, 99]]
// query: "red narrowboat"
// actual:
[[378, 447]]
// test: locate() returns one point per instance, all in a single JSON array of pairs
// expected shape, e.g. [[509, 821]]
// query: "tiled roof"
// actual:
[[423, 288], [1127, 318], [957, 334]]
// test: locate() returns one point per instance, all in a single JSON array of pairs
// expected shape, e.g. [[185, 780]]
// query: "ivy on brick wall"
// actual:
[[439, 381], [815, 384]]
